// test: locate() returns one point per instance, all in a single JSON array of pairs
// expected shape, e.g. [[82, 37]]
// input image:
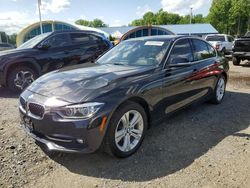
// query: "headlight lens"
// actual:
[[79, 111]]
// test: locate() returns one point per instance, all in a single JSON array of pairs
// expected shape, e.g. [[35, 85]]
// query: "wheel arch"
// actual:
[[225, 75], [27, 63], [139, 100]]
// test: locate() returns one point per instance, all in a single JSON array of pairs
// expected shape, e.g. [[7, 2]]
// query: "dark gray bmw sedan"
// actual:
[[111, 103]]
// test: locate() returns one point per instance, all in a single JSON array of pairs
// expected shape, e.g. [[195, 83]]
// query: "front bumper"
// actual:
[[51, 145], [82, 135]]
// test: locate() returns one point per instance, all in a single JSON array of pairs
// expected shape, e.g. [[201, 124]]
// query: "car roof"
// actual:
[[79, 31], [217, 35], [163, 37]]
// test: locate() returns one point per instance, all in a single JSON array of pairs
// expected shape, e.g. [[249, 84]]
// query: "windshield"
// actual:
[[137, 53], [216, 38], [34, 41]]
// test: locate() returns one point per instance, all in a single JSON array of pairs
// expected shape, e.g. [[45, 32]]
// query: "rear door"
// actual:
[[84, 48], [205, 58]]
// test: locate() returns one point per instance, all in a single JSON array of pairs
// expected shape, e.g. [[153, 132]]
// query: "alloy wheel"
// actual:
[[23, 79], [129, 130], [220, 90]]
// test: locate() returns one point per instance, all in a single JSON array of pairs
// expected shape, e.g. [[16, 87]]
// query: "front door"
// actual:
[[178, 89]]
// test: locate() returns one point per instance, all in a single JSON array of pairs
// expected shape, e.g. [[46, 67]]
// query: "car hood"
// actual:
[[13, 51], [80, 83]]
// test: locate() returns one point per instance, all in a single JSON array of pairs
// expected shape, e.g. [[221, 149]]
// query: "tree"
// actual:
[[138, 22], [94, 23], [163, 18], [239, 16], [219, 15], [149, 18], [83, 22], [98, 23], [230, 16], [199, 19]]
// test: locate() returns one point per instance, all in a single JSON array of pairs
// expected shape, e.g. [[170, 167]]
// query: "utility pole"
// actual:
[[191, 14], [40, 17]]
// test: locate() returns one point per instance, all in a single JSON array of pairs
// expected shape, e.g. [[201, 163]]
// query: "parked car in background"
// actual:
[[241, 49], [222, 43], [6, 46], [47, 52], [112, 102]]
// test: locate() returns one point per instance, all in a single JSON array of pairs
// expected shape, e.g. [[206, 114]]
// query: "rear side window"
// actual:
[[79, 38], [181, 52], [230, 39], [59, 40], [216, 38], [200, 50], [211, 51]]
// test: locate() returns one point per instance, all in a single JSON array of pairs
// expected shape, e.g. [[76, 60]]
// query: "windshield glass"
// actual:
[[216, 38], [34, 41], [137, 53]]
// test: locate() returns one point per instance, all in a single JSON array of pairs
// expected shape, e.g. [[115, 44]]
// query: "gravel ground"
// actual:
[[202, 146]]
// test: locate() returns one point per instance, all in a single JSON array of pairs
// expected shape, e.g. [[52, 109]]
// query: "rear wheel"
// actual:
[[20, 78], [236, 61], [219, 90], [126, 130], [223, 51]]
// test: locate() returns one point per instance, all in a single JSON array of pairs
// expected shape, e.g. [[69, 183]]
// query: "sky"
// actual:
[[17, 14]]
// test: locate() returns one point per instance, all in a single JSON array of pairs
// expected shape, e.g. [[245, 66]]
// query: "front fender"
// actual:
[[24, 61]]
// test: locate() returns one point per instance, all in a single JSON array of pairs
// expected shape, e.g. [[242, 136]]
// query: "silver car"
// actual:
[[6, 46]]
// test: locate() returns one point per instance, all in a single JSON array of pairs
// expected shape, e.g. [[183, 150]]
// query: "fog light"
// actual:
[[80, 141]]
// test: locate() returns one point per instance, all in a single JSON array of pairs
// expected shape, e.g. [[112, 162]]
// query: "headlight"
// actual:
[[79, 111]]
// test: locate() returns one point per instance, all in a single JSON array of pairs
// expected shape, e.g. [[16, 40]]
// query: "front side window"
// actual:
[[137, 53], [200, 49], [58, 41], [181, 52], [34, 41], [211, 50]]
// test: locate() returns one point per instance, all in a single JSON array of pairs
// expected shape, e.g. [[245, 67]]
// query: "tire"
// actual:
[[20, 78], [219, 90], [236, 61], [223, 51], [115, 144]]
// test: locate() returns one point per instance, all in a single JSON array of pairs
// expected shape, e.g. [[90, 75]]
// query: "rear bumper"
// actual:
[[241, 54]]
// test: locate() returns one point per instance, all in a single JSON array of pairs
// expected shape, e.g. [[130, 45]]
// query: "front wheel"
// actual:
[[20, 78], [126, 130]]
